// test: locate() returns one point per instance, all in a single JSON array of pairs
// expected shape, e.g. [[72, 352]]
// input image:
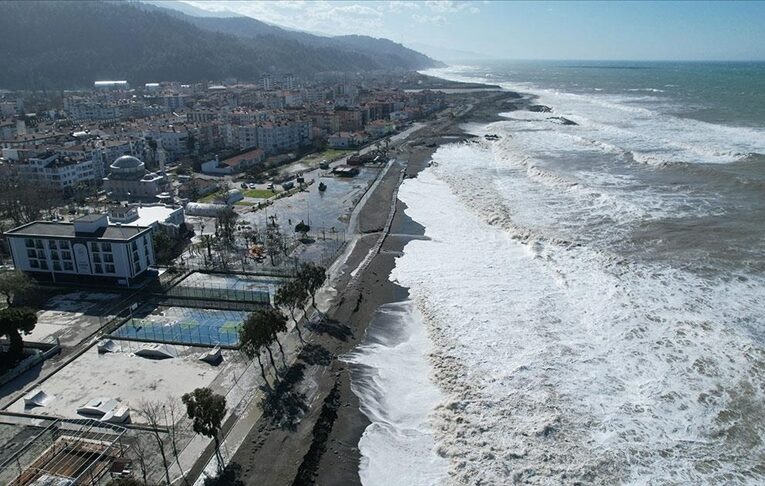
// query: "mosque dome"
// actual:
[[127, 166]]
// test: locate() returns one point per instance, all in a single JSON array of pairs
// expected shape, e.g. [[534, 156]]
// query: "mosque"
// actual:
[[129, 180]]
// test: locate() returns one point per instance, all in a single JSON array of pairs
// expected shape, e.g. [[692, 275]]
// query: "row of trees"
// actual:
[[261, 328]]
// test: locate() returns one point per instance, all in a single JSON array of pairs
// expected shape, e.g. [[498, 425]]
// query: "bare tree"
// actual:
[[154, 414], [176, 426], [142, 452], [274, 243]]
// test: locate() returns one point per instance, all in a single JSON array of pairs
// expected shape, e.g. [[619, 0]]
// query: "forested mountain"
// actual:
[[384, 51], [70, 44]]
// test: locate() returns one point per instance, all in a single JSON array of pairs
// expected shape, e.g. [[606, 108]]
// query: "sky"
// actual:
[[532, 30]]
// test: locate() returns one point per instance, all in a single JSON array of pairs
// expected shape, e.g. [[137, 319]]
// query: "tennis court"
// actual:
[[185, 325], [227, 287]]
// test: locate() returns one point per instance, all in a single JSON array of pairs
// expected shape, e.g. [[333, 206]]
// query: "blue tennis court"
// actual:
[[185, 325]]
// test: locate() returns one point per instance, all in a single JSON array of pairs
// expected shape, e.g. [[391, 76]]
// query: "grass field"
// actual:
[[258, 193], [329, 155], [210, 197]]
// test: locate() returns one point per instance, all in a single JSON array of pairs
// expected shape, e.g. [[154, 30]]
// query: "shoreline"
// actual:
[[417, 152], [322, 448]]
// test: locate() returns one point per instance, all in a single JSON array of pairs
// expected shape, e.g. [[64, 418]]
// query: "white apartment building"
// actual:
[[276, 138], [86, 110], [56, 170], [86, 250]]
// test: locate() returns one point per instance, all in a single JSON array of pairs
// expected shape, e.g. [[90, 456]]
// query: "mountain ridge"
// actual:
[[54, 45]]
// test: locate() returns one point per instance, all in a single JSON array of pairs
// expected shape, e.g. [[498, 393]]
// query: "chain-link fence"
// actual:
[[184, 325]]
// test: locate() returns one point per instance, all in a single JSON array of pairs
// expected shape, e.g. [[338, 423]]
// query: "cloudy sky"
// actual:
[[532, 30]]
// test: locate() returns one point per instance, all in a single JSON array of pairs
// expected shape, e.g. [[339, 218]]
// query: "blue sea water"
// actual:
[[593, 279]]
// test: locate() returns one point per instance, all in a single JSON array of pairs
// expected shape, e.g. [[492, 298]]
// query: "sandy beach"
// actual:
[[321, 447]]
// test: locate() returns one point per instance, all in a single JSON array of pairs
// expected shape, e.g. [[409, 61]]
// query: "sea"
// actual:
[[588, 305]]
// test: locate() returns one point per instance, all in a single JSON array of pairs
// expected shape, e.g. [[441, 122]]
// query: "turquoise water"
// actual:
[[718, 92]]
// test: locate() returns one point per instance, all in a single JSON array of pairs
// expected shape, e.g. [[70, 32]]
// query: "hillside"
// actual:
[[50, 45], [383, 51]]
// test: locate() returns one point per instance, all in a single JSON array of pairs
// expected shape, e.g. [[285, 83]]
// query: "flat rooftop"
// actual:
[[131, 379], [53, 229]]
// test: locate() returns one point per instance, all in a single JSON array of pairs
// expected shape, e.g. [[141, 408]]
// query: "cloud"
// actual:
[[451, 6], [429, 19], [324, 17], [398, 6]]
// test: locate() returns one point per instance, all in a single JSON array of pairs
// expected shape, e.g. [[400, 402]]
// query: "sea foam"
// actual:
[[390, 375], [560, 360]]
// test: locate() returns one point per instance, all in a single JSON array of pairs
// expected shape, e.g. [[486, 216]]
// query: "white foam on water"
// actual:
[[391, 379], [652, 136], [560, 361], [562, 364]]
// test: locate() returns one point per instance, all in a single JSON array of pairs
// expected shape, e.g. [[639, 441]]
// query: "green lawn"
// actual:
[[329, 155], [244, 203], [209, 198], [258, 193]]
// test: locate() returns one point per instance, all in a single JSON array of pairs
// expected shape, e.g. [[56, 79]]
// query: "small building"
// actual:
[[117, 85], [345, 171], [158, 216], [235, 164], [88, 249]]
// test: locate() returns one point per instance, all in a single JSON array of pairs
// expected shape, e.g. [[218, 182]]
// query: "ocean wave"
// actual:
[[654, 137], [400, 431], [577, 367]]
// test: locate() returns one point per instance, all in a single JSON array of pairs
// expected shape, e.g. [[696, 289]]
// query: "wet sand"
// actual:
[[321, 446]]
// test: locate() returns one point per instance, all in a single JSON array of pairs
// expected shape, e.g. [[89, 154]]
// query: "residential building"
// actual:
[[235, 164], [349, 119], [86, 250], [274, 138], [59, 171]]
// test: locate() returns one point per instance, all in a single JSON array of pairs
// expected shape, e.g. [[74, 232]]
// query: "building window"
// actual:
[[29, 242], [106, 247], [109, 268], [43, 264], [68, 266], [96, 258], [32, 253], [133, 246], [66, 255], [56, 266], [54, 254], [108, 258], [39, 244], [34, 264], [98, 268]]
